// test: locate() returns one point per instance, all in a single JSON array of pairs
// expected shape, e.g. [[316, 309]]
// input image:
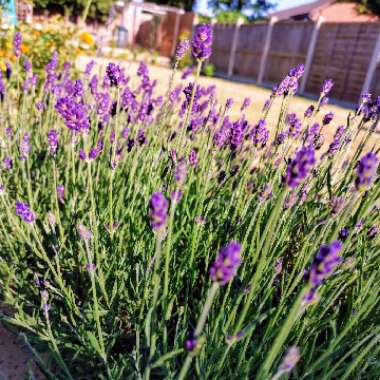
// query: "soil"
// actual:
[[15, 360]]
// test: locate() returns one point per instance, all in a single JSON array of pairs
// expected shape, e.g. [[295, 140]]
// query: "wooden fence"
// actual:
[[346, 52]]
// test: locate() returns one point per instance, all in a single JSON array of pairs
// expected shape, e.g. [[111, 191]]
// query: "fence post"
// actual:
[[264, 57], [372, 67], [310, 52], [176, 32], [235, 39]]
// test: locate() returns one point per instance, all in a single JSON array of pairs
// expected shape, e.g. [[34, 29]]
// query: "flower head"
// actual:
[[158, 211], [290, 360], [182, 49], [224, 268], [327, 87], [25, 213], [115, 74], [17, 41], [202, 41], [366, 171], [325, 262], [53, 141], [300, 167], [84, 233]]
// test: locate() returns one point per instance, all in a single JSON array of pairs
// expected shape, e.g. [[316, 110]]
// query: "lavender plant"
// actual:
[[148, 236]]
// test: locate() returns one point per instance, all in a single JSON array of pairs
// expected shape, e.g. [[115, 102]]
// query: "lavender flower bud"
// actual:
[[327, 87], [299, 167], [366, 171], [61, 193], [290, 360], [158, 211], [25, 213], [17, 41], [224, 268], [53, 141], [182, 49], [325, 262], [84, 233], [328, 118]]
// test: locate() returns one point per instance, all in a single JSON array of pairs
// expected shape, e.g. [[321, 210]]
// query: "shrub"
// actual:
[[209, 70], [155, 237]]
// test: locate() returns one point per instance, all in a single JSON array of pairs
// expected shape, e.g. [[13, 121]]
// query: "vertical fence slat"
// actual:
[[310, 53], [264, 56], [235, 39], [372, 66]]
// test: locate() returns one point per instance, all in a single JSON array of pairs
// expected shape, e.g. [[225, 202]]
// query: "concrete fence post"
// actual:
[[235, 40], [310, 52], [264, 56], [372, 67]]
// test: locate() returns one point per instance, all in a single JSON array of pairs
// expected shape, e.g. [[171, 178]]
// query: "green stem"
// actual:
[[199, 328]]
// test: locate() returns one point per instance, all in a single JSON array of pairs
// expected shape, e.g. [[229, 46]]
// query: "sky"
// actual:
[[201, 5]]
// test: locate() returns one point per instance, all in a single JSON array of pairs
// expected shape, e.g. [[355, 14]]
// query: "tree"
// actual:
[[187, 5], [98, 8], [252, 8], [368, 6]]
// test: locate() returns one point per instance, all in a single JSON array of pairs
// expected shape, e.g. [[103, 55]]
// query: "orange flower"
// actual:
[[24, 48], [87, 38]]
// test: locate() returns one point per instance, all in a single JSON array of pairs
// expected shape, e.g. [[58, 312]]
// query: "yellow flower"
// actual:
[[87, 38], [2, 66]]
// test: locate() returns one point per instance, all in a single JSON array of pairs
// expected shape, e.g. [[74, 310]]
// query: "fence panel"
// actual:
[[343, 53], [289, 45], [223, 35], [249, 50]]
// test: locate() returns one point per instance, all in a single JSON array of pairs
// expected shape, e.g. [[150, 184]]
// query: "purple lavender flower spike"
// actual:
[[61, 193], [327, 87], [193, 158], [180, 172], [90, 65], [8, 71], [158, 211], [176, 195], [182, 49], [25, 146], [187, 72], [17, 41], [84, 233], [191, 342], [328, 118], [229, 103], [7, 163], [202, 42], [25, 213], [290, 360], [224, 268], [115, 75], [366, 171], [246, 103], [325, 262], [309, 111], [259, 134], [53, 141], [294, 125], [73, 113], [372, 232], [27, 66], [300, 167]]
